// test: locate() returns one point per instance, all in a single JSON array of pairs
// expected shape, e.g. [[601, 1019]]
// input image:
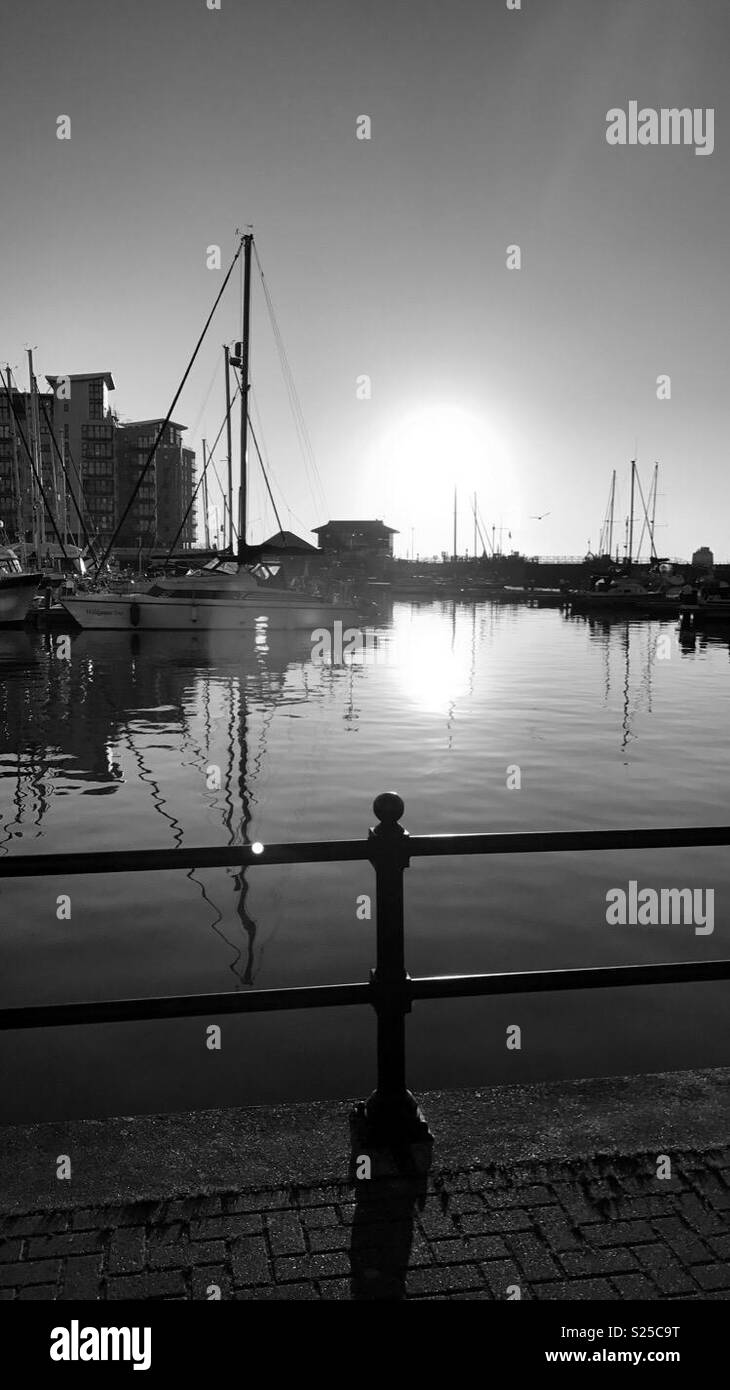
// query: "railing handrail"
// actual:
[[333, 851]]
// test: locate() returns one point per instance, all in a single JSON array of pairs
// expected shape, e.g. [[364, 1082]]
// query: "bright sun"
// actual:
[[429, 452]]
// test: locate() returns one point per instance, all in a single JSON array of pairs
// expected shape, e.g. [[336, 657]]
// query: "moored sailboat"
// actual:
[[232, 591]]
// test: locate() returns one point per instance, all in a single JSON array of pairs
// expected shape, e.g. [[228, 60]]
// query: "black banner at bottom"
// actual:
[[196, 1340]]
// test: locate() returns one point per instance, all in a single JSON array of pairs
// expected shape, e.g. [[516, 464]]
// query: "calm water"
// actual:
[[117, 747]]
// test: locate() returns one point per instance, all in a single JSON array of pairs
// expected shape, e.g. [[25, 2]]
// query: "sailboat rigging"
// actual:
[[231, 591]]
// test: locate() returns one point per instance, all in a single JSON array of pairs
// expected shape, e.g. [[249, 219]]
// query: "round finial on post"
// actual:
[[389, 808]]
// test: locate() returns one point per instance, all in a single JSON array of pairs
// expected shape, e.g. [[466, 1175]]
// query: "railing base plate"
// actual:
[[394, 1135]]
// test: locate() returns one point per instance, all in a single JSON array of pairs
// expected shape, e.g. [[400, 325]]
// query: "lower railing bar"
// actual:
[[542, 981], [185, 1006], [323, 996]]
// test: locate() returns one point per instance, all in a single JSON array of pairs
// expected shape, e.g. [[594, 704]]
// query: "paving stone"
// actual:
[[322, 1196], [279, 1293], [500, 1274], [447, 1252], [595, 1262], [635, 1287], [169, 1283], [435, 1223], [226, 1227], [556, 1230], [95, 1219], [513, 1220], [618, 1233], [126, 1250], [36, 1223], [533, 1257], [320, 1216], [29, 1272], [66, 1243], [590, 1290], [463, 1203], [520, 1197], [714, 1276], [260, 1201], [330, 1238], [308, 1267], [207, 1252], [442, 1280], [700, 1217], [339, 1290], [10, 1251], [687, 1246], [672, 1278], [162, 1254], [81, 1277], [207, 1276], [482, 1248], [249, 1260], [285, 1234]]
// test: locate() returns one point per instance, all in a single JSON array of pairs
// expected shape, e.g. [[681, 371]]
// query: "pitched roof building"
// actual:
[[366, 538]]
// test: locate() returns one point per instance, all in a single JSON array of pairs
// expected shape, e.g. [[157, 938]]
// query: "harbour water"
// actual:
[[484, 716]]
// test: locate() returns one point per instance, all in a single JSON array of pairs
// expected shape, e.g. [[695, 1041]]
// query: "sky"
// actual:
[[386, 258]]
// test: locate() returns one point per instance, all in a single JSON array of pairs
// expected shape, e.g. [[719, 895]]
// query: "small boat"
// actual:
[[626, 595], [18, 588], [708, 603]]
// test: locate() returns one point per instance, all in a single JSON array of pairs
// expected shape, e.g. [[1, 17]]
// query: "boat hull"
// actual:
[[17, 592], [647, 605], [701, 613], [145, 613]]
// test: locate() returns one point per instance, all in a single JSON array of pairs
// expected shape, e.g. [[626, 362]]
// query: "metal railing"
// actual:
[[391, 1116]]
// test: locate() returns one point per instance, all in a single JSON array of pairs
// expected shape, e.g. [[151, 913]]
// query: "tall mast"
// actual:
[[63, 496], [39, 521], [475, 526], [631, 513], [227, 355], [454, 523], [610, 516], [245, 360], [653, 509], [19, 528], [206, 516]]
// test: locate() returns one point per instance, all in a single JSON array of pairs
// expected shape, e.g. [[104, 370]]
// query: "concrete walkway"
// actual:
[[549, 1192]]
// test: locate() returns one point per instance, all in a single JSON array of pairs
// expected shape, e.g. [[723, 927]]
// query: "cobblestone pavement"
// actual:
[[608, 1228]]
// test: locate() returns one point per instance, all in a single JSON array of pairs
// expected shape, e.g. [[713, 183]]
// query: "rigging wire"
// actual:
[[198, 485], [67, 480], [266, 480], [265, 453], [31, 460], [168, 417], [310, 465]]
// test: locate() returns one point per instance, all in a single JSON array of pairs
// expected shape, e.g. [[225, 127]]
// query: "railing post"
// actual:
[[391, 1117]]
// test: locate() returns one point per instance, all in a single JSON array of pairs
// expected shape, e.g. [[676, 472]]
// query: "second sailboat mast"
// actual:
[[245, 357]]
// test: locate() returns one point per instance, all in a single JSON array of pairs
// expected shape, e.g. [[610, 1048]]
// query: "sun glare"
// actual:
[[428, 453]]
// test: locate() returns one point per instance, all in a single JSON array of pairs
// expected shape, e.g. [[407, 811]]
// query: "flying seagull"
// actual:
[[540, 517]]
